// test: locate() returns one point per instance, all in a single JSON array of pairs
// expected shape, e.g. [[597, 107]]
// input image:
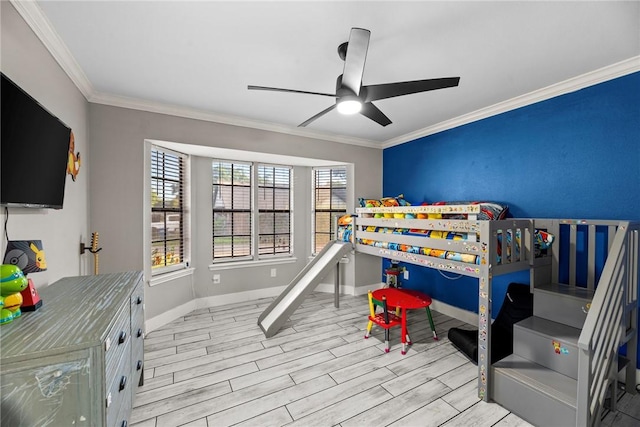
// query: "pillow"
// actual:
[[385, 201]]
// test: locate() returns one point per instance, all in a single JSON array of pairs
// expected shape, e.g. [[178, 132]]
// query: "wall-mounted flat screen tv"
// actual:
[[34, 147]]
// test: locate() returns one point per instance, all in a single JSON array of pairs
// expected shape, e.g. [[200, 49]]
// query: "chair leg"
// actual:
[[386, 340], [433, 328], [404, 334], [368, 333]]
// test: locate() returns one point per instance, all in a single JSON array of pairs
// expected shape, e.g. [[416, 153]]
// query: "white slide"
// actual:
[[305, 282]]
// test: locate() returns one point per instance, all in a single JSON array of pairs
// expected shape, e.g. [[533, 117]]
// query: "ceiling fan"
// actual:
[[351, 96]]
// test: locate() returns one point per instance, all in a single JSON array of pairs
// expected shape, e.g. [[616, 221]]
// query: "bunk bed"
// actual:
[[470, 247], [459, 239]]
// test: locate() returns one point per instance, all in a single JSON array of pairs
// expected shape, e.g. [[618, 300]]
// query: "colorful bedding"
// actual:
[[542, 240]]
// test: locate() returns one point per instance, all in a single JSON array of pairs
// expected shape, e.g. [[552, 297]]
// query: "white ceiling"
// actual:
[[197, 58]]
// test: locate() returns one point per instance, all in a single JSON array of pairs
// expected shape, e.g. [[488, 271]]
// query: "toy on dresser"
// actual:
[[12, 282]]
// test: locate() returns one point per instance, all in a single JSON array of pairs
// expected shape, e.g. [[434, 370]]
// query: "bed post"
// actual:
[[484, 310]]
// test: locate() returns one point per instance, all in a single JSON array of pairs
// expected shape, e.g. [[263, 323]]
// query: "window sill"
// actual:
[[166, 277], [245, 264]]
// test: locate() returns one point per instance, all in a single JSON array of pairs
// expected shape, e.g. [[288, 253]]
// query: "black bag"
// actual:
[[517, 306]]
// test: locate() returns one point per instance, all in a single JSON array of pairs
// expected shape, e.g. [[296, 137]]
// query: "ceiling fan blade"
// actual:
[[320, 114], [276, 89], [389, 90], [355, 59], [371, 111]]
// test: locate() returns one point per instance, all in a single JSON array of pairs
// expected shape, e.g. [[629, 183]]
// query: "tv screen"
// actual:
[[34, 147]]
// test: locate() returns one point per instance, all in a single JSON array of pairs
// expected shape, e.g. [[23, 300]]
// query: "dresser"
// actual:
[[77, 359]]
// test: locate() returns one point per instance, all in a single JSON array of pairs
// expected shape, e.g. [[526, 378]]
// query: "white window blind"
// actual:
[[167, 209], [274, 210], [231, 210]]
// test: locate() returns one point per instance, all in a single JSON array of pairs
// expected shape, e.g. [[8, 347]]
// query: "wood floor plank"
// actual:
[[183, 361], [421, 359], [422, 374], [170, 359], [512, 420], [399, 407], [278, 417], [163, 352], [224, 364], [463, 397], [365, 367], [284, 357], [479, 415], [278, 370], [177, 389], [280, 339], [190, 397], [152, 346], [254, 408], [333, 364], [155, 382], [220, 403], [430, 415], [340, 392], [460, 376], [345, 408]]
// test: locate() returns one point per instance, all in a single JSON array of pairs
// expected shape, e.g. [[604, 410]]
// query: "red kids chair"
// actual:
[[385, 319]]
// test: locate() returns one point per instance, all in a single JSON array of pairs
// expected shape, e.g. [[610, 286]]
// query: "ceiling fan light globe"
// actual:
[[349, 106]]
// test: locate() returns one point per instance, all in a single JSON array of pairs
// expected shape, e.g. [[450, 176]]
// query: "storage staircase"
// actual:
[[565, 361]]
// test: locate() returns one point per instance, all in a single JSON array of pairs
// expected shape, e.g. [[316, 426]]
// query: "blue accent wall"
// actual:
[[573, 156]]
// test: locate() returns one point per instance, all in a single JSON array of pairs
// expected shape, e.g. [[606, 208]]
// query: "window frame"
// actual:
[[289, 211], [232, 257], [183, 210], [255, 254], [330, 211]]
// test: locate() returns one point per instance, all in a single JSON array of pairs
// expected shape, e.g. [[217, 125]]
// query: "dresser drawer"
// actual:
[[137, 298], [117, 343], [53, 390], [119, 390]]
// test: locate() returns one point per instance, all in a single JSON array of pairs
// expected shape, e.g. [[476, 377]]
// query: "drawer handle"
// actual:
[[139, 332], [139, 300], [139, 365], [123, 383], [122, 337]]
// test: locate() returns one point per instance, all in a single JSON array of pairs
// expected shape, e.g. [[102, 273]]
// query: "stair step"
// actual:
[[562, 303], [550, 344], [537, 394]]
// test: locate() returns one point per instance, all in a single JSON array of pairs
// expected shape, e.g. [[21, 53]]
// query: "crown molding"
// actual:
[[609, 72], [41, 26], [192, 113]]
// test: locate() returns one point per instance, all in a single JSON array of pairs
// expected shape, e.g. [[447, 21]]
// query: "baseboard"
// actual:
[[169, 316], [224, 299], [348, 290], [457, 313]]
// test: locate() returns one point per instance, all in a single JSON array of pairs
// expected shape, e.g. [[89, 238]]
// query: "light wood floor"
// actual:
[[214, 367]]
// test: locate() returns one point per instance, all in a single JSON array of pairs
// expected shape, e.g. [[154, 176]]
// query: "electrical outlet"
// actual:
[[273, 272], [216, 279], [405, 274]]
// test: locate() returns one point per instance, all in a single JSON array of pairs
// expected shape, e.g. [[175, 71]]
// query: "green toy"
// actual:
[[12, 281]]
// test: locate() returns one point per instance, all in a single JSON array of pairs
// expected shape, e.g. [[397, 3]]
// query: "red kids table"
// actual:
[[406, 299]]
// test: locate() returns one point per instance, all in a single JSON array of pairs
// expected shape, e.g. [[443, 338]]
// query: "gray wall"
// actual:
[[28, 63], [117, 177]]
